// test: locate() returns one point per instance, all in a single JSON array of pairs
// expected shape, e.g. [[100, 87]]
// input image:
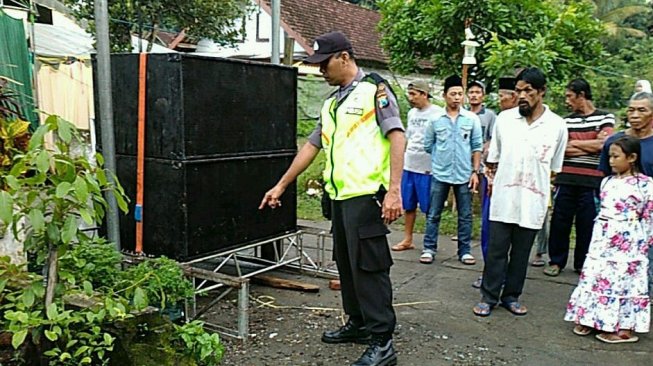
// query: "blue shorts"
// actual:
[[416, 187]]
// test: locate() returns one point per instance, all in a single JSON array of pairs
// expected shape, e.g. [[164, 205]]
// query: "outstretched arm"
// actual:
[[304, 157]]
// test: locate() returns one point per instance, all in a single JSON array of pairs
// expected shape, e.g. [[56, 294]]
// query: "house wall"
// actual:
[[257, 43]]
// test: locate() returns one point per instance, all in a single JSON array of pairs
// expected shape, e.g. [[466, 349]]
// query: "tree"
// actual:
[[562, 38], [218, 20], [433, 30], [615, 13]]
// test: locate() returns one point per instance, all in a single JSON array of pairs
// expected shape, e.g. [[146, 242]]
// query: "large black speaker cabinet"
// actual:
[[219, 134]]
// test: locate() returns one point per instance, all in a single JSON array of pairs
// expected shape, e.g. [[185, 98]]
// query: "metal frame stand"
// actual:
[[289, 252]]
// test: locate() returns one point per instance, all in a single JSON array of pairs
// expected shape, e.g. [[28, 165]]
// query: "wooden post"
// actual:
[[465, 72], [288, 49]]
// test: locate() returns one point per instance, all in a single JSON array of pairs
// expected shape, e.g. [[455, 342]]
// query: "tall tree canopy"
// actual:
[[512, 33]]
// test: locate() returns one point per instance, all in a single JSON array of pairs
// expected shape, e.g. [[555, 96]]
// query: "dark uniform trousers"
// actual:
[[507, 258], [363, 258]]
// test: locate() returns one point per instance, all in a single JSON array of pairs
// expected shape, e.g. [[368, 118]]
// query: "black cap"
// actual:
[[507, 83], [451, 81], [326, 45]]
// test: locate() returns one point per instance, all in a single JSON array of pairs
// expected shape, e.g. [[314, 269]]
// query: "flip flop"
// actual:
[[552, 271], [426, 258], [399, 247], [620, 338], [515, 307], [478, 283], [468, 259], [482, 309], [582, 330], [538, 263]]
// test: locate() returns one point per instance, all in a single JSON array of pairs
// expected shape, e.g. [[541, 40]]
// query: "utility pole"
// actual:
[[104, 94], [276, 15]]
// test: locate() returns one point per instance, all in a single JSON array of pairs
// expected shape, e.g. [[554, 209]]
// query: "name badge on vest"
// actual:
[[355, 111]]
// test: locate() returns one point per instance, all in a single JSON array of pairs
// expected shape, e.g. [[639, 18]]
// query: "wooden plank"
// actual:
[[212, 276], [283, 283]]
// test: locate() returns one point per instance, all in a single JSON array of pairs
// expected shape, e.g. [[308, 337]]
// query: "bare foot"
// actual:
[[403, 245]]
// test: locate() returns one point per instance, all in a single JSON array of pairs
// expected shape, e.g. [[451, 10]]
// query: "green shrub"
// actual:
[[97, 262], [205, 348]]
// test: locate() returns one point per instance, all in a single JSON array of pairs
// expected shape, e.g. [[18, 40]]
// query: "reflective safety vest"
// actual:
[[357, 153]]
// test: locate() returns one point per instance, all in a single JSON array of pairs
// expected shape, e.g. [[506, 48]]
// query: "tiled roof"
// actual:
[[306, 19]]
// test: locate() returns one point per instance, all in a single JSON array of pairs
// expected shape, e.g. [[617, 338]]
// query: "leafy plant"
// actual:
[[205, 348], [97, 262], [14, 130], [159, 281], [49, 192]]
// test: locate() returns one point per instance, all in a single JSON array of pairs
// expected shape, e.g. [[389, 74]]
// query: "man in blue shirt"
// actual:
[[455, 142]]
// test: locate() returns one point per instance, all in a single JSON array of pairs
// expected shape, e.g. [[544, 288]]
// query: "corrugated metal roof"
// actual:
[[55, 41]]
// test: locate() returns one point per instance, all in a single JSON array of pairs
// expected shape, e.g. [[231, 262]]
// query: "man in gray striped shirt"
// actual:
[[576, 187]]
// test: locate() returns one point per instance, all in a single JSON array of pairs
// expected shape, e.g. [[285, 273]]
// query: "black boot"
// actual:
[[379, 353], [352, 332]]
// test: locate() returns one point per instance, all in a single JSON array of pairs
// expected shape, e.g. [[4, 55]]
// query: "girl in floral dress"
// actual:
[[612, 293]]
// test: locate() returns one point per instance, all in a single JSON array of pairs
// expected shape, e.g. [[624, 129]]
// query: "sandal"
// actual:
[[478, 283], [552, 271], [538, 262], [614, 338], [426, 258], [468, 259], [515, 307], [402, 246], [482, 309], [582, 330]]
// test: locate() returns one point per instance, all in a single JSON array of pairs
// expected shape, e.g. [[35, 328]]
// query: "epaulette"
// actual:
[[381, 86]]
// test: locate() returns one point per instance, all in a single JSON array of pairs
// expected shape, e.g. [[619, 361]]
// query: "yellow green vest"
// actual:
[[357, 153]]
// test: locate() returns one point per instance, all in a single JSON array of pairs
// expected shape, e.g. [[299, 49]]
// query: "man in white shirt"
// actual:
[[528, 144]]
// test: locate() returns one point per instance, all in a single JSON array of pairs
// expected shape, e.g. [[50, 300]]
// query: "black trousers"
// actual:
[[507, 258], [363, 258], [569, 202]]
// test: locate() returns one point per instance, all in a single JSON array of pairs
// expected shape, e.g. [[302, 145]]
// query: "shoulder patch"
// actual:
[[381, 96]]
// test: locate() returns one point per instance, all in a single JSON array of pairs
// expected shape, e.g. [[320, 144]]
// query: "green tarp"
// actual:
[[15, 65]]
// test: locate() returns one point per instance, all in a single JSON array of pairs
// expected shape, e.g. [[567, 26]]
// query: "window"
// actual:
[[263, 25], [15, 3]]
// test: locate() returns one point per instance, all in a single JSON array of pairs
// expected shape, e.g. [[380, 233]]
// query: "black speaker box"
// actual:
[[219, 134], [204, 106]]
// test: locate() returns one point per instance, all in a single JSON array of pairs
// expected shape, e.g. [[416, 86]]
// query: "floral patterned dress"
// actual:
[[612, 292]]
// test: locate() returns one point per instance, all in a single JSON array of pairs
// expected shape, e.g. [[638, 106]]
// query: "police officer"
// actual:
[[361, 133]]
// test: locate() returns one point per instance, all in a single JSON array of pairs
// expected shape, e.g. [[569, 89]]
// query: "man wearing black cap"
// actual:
[[363, 138], [507, 95], [455, 142]]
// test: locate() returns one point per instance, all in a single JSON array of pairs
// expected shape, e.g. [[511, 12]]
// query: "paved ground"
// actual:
[[435, 322]]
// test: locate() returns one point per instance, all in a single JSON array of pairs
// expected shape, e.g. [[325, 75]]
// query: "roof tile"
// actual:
[[311, 18]]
